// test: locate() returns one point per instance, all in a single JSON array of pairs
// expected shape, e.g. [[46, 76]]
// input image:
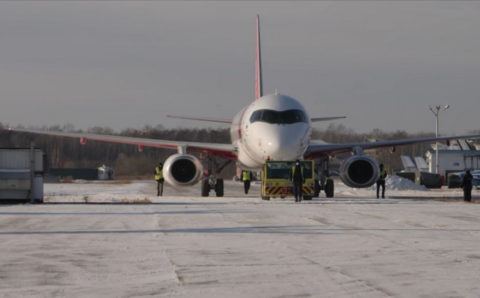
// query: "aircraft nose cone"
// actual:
[[282, 148]]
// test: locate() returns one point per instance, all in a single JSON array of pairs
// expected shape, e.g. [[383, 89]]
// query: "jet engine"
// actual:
[[182, 170], [359, 171]]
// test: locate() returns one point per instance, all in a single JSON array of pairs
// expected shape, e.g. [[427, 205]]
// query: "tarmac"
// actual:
[[119, 240]]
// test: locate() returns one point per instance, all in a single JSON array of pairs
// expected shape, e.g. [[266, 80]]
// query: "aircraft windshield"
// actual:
[[279, 117]]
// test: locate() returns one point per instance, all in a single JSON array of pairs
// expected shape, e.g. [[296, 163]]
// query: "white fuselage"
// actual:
[[275, 127]]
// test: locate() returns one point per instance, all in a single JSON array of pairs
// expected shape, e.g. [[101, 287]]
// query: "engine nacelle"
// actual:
[[182, 170], [359, 171]]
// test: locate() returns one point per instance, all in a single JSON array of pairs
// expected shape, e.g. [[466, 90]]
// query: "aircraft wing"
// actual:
[[315, 150], [222, 150], [201, 119], [317, 119]]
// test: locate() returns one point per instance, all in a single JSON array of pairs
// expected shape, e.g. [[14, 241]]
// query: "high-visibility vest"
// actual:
[[246, 176], [159, 173], [383, 175]]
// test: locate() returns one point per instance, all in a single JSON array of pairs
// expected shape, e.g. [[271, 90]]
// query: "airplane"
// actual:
[[273, 126]]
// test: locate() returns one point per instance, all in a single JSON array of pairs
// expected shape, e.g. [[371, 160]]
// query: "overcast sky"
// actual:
[[127, 64]]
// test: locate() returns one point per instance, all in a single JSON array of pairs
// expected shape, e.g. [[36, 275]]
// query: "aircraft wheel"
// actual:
[[317, 189], [205, 188], [329, 188], [219, 188]]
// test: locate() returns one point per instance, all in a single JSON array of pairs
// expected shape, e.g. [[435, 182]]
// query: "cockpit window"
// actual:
[[279, 117]]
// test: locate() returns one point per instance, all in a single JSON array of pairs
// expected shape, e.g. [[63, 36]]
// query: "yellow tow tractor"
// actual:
[[276, 180]]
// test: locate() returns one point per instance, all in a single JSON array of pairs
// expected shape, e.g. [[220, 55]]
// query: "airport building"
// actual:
[[457, 157], [453, 159]]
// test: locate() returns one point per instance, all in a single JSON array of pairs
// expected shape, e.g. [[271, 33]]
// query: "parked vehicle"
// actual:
[[475, 180]]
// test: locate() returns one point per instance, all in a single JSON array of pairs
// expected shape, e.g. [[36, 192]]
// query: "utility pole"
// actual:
[[436, 111]]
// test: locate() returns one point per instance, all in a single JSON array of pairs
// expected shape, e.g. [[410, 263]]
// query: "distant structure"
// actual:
[[21, 174], [101, 173], [457, 157], [105, 173], [421, 163], [417, 164]]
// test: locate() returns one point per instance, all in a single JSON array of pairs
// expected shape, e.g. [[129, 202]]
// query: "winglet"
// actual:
[[258, 63]]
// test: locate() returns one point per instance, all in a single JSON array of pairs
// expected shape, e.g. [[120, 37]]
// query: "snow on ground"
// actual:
[[183, 245], [394, 182], [144, 191]]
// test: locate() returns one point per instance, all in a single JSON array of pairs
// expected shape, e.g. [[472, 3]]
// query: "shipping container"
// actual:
[[21, 174]]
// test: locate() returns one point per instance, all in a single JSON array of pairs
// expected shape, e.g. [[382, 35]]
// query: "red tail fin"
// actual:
[[258, 63]]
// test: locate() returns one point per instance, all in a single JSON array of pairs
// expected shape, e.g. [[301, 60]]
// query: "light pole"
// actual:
[[436, 111]]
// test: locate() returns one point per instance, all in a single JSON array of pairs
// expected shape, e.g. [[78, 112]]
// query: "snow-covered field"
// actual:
[[144, 191], [182, 245]]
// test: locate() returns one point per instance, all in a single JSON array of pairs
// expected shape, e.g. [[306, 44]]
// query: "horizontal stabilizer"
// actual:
[[327, 118], [200, 119]]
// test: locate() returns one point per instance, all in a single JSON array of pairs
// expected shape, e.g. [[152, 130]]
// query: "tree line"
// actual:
[[128, 161]]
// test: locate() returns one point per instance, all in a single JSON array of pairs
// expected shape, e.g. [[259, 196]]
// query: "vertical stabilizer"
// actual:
[[258, 63]]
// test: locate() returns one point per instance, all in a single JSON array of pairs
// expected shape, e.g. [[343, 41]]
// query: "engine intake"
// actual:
[[182, 170], [359, 171]]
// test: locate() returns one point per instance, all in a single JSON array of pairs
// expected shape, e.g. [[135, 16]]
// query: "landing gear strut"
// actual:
[[326, 183]]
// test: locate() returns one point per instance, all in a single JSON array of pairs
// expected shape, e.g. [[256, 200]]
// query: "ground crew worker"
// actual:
[[467, 186], [246, 178], [298, 180], [381, 181], [159, 178]]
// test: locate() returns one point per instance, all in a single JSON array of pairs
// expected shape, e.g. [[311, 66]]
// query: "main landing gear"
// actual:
[[325, 183], [210, 180], [329, 188], [215, 184]]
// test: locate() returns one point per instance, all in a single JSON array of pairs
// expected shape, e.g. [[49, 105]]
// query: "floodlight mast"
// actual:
[[436, 111]]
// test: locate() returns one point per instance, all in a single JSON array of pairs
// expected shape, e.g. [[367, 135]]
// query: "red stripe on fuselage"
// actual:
[[258, 70], [240, 121]]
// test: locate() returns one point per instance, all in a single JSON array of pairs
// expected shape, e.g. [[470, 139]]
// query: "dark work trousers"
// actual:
[[467, 194], [246, 186], [159, 187], [297, 191], [382, 184]]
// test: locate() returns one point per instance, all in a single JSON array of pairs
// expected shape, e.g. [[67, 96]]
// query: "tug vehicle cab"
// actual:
[[276, 179]]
